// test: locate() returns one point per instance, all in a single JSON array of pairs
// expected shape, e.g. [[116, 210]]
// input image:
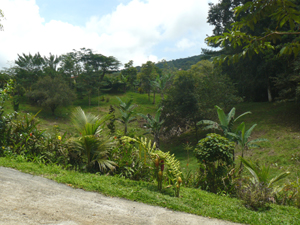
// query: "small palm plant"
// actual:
[[126, 110], [90, 143], [154, 125], [260, 190], [261, 174]]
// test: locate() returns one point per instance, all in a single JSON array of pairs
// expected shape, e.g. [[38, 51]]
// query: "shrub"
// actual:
[[130, 163], [215, 156], [289, 194], [255, 196]]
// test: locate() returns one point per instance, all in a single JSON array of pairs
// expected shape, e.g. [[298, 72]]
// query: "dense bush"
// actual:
[[254, 195], [215, 156]]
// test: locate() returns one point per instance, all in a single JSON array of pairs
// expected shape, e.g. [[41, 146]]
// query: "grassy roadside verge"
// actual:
[[191, 200]]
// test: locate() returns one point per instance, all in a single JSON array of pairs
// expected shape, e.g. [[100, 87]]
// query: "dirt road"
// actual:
[[27, 199]]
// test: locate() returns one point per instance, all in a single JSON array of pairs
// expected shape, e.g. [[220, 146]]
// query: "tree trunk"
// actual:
[[269, 94], [154, 97], [125, 131], [270, 99]]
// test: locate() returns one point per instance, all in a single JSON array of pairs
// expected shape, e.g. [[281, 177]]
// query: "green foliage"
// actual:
[[288, 194], [93, 147], [214, 148], [194, 93], [225, 121], [261, 174], [5, 120], [130, 73], [160, 162], [148, 74], [183, 64], [257, 191], [284, 13], [51, 93], [111, 125], [254, 196], [242, 136], [215, 155], [126, 110], [154, 124], [262, 50], [129, 162]]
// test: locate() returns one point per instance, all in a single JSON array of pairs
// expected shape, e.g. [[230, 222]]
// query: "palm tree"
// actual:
[[90, 143], [225, 121], [126, 110], [154, 124]]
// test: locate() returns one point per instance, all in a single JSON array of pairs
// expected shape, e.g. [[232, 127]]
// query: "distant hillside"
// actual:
[[183, 64]]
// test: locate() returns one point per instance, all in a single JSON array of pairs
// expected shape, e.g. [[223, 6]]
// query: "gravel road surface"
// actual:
[[28, 199]]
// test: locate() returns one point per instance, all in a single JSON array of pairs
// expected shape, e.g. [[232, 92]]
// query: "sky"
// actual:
[[138, 30]]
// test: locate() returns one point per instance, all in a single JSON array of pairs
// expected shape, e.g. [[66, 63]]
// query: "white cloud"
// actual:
[[132, 31], [184, 44]]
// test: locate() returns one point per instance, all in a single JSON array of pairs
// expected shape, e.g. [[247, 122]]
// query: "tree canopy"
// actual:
[[194, 93], [51, 93], [284, 18], [261, 38]]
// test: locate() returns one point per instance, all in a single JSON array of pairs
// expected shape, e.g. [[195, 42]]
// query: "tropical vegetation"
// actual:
[[166, 113]]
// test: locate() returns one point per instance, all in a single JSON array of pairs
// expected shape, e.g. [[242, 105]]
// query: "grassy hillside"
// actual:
[[278, 122]]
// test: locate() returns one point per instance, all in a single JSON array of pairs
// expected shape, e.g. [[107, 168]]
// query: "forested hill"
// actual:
[[183, 64]]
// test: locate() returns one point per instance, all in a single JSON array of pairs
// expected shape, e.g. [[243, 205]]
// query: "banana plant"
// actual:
[[261, 174], [242, 136], [161, 83], [126, 110], [225, 121], [154, 125]]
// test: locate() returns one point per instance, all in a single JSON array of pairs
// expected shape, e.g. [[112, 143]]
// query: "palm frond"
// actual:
[[278, 177]]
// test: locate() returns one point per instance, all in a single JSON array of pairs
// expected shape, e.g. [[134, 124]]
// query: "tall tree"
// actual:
[[130, 73], [193, 95], [148, 74], [29, 68], [51, 93], [70, 68], [99, 63], [51, 65], [262, 30]]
